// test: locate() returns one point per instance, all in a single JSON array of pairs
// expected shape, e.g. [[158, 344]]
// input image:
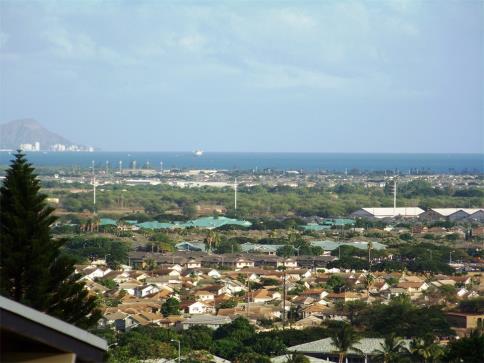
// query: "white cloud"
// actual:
[[81, 47]]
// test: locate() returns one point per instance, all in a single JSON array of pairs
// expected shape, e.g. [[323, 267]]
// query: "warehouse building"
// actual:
[[388, 213]]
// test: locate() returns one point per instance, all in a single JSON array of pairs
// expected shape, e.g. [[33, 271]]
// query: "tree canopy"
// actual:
[[32, 269]]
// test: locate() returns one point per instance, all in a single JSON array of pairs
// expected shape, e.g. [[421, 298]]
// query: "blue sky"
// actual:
[[317, 76]]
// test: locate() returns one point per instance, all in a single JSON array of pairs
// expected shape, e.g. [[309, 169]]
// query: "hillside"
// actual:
[[17, 132]]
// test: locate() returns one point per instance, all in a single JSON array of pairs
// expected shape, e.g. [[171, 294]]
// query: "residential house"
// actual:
[[197, 307], [316, 293], [204, 295], [345, 296], [210, 321], [264, 295], [94, 272], [307, 322], [193, 263], [145, 290], [130, 286], [413, 288], [314, 310], [120, 321]]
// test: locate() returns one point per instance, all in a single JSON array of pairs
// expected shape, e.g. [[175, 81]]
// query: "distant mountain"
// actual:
[[28, 131]]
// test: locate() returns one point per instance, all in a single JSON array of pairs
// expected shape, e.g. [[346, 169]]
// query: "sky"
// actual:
[[302, 76]]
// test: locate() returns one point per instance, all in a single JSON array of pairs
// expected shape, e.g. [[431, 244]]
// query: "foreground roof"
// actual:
[[325, 346], [39, 332], [285, 357]]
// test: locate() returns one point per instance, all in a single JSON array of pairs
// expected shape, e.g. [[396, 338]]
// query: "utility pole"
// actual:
[[370, 246], [284, 296], [235, 194], [93, 189], [248, 294], [94, 194], [394, 195]]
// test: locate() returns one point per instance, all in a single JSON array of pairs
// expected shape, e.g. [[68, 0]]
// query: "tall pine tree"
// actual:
[[32, 269]]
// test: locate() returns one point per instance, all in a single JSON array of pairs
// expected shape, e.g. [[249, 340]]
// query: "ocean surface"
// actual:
[[440, 163]]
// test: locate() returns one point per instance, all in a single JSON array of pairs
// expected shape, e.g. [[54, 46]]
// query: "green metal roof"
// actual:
[[107, 222], [344, 221], [154, 225], [315, 227], [215, 222]]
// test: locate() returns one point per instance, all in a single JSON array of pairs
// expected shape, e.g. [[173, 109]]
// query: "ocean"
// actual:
[[438, 163]]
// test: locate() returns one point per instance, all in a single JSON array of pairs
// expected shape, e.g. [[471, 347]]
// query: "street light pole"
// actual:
[[179, 348]]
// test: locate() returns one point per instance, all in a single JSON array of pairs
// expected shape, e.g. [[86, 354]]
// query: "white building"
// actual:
[[389, 212]]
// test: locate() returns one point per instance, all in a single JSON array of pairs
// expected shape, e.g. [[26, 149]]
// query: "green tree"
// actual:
[[228, 246], [252, 357], [32, 269], [469, 349], [144, 343], [227, 304], [228, 348], [286, 251], [354, 310], [472, 306], [212, 240], [190, 211], [170, 307], [239, 329], [344, 338], [109, 283], [425, 349], [270, 346], [335, 283], [198, 356], [297, 358], [198, 337], [391, 351], [402, 318], [368, 281]]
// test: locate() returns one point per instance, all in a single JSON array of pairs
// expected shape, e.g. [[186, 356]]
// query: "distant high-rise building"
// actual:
[[37, 146], [26, 147]]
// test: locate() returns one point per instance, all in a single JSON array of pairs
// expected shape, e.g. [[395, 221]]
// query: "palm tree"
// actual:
[[391, 350], [426, 349], [344, 338], [370, 247], [369, 279], [212, 240]]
